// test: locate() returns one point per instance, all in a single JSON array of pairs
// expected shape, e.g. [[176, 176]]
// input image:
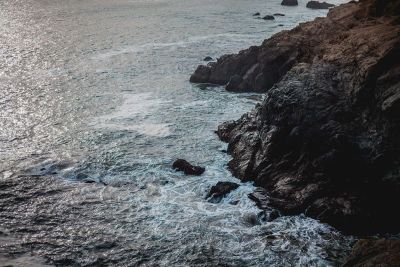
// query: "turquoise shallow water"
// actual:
[[98, 91]]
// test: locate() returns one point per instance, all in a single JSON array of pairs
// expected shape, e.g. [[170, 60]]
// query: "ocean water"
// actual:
[[96, 104]]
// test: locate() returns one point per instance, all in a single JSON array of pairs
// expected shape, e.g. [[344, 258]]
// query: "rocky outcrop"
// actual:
[[258, 68], [319, 5], [187, 168], [325, 141], [289, 3], [220, 190], [383, 253]]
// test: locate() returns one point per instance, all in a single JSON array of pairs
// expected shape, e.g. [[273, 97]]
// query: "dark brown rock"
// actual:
[[289, 3], [220, 190], [319, 5], [187, 168], [369, 252], [235, 84]]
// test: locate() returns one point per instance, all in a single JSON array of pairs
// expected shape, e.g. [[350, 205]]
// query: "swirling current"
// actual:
[[95, 105]]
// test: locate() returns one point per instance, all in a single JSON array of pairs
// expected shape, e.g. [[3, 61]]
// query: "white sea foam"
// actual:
[[133, 49], [135, 115]]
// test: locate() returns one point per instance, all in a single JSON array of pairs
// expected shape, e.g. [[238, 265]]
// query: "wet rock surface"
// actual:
[[381, 252], [220, 190], [289, 3], [260, 197], [325, 140], [187, 168], [319, 5], [262, 200]]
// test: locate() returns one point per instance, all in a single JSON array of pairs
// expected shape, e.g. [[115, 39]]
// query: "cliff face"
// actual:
[[326, 139], [380, 252]]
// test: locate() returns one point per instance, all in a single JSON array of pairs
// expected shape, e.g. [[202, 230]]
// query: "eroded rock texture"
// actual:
[[326, 139], [381, 252]]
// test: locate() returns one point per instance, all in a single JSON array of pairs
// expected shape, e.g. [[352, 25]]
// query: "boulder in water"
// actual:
[[220, 190], [289, 3], [268, 17], [208, 58], [187, 168], [319, 5]]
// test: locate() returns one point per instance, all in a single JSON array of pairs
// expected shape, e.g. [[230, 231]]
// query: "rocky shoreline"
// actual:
[[325, 140]]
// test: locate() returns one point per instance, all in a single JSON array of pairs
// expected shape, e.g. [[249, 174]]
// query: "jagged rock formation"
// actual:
[[326, 139], [260, 67]]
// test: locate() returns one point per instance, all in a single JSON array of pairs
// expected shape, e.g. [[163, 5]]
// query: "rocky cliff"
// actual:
[[325, 141], [380, 252]]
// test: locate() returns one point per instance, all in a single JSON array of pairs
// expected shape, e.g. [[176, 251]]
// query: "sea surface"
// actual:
[[96, 104]]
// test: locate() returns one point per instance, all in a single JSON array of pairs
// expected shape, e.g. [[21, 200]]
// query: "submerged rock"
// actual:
[[187, 168], [269, 215], [256, 14], [220, 190], [252, 219], [319, 5], [385, 253], [289, 3], [279, 14], [325, 140], [208, 58], [268, 17]]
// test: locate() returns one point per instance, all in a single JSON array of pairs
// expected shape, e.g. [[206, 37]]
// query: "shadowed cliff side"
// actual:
[[380, 252], [326, 139]]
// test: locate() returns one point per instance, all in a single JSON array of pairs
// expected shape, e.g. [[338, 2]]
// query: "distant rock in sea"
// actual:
[[319, 5], [268, 17], [289, 3], [187, 168]]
